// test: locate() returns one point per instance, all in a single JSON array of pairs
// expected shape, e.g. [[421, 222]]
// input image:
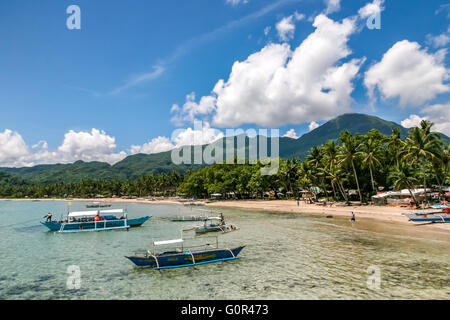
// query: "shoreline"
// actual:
[[383, 214]]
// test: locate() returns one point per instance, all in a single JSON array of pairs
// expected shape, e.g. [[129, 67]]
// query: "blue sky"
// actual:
[[133, 60]]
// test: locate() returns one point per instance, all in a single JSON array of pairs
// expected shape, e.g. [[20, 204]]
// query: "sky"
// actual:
[[138, 76]]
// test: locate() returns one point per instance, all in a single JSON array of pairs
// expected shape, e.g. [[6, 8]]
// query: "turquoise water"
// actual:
[[287, 256]]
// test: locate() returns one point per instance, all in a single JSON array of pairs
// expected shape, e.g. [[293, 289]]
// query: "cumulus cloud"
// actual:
[[313, 125], [371, 9], [13, 149], [412, 121], [190, 111], [439, 114], [87, 146], [291, 134], [332, 6], [201, 133], [277, 86], [286, 26], [441, 40], [410, 73], [156, 145]]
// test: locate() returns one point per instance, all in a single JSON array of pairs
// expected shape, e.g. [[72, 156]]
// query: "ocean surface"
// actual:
[[287, 256]]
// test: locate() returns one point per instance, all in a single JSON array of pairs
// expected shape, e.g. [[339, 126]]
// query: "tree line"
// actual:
[[364, 163]]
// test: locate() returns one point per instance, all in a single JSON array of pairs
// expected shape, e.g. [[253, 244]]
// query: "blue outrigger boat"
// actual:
[[441, 216], [183, 256], [83, 221]]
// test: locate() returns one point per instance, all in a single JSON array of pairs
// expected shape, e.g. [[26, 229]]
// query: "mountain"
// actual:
[[353, 122], [138, 165]]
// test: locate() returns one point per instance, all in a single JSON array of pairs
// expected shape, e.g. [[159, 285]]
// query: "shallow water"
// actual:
[[287, 256]]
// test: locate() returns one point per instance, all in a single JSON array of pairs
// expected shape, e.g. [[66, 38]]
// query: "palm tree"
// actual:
[[349, 153], [403, 178], [370, 152], [395, 145], [422, 145], [315, 158]]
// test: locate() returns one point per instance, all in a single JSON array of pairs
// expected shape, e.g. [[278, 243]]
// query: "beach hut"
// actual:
[[398, 198]]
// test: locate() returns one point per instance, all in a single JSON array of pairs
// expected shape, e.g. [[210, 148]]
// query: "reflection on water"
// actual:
[[287, 256]]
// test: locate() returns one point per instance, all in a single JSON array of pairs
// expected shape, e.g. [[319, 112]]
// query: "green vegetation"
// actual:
[[139, 165], [362, 162]]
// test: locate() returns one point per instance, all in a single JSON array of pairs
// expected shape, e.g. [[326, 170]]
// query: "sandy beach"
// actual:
[[385, 214]]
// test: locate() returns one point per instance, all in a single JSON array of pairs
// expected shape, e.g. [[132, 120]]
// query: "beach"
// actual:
[[385, 214]]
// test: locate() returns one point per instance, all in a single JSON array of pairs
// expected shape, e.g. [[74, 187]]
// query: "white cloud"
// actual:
[[87, 146], [444, 8], [313, 125], [236, 2], [441, 40], [408, 72], [371, 8], [267, 30], [412, 121], [156, 145], [332, 6], [286, 26], [139, 79], [277, 86], [199, 135], [13, 150], [439, 114], [291, 134], [191, 110]]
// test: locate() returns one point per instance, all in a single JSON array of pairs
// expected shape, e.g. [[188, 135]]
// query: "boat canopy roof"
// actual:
[[93, 213], [159, 243]]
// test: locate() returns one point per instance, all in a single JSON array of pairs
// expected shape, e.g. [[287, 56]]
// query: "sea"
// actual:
[[286, 256]]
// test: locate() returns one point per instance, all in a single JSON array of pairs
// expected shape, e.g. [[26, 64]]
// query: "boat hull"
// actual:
[[177, 260], [433, 217], [92, 226]]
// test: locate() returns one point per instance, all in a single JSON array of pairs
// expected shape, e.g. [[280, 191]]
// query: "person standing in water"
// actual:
[[353, 218]]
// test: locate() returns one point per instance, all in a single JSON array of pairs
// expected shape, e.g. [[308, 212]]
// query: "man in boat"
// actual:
[[49, 217], [97, 217]]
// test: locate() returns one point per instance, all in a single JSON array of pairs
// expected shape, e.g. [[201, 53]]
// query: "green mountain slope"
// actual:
[[138, 165]]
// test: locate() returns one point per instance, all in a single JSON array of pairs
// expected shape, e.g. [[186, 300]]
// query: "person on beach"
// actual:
[[298, 202], [353, 217]]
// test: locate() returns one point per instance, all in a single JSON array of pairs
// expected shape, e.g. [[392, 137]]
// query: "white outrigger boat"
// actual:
[[98, 220]]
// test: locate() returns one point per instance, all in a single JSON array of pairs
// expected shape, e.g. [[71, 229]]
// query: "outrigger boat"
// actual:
[[194, 203], [86, 221], [181, 256], [441, 216], [98, 205], [210, 226], [189, 218]]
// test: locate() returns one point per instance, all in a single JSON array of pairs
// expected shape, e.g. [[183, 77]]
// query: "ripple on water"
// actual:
[[286, 256]]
